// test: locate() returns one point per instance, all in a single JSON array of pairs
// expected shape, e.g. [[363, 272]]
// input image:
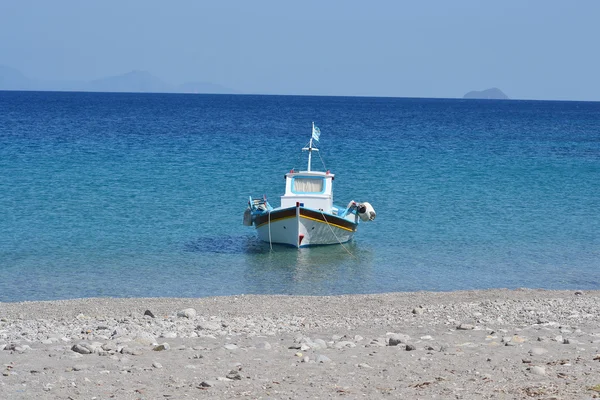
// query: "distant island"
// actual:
[[492, 94], [132, 82]]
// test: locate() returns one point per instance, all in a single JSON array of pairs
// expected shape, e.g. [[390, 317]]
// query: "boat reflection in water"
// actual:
[[321, 270]]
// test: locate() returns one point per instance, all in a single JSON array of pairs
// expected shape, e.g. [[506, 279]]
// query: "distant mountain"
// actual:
[[493, 93], [134, 82]]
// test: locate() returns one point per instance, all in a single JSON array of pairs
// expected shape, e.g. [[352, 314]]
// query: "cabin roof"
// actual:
[[293, 173]]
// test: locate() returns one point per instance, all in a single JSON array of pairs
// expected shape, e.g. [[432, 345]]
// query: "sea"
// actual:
[[142, 195]]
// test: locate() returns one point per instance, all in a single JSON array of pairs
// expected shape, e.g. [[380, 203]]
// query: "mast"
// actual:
[[310, 148]]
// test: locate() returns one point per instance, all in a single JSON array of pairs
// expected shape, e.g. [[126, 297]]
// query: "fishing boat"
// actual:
[[307, 215]]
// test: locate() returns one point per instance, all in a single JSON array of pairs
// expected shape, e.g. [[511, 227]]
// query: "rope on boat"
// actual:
[[269, 223], [322, 161], [336, 237]]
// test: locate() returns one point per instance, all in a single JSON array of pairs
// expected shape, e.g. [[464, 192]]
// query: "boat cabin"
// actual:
[[313, 189]]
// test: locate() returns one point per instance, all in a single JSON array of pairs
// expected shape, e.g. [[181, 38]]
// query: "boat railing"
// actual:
[[259, 204]]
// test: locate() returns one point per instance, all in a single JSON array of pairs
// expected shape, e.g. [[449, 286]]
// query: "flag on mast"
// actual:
[[316, 132]]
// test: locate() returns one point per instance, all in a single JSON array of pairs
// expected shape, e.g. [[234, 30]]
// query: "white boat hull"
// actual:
[[301, 227]]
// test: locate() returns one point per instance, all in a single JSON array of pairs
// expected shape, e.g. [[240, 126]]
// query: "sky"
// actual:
[[530, 49]]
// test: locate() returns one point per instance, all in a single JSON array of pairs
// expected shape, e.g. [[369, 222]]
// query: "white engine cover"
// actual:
[[366, 212]]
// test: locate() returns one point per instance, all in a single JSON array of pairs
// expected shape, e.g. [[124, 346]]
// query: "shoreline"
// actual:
[[496, 343], [494, 293]]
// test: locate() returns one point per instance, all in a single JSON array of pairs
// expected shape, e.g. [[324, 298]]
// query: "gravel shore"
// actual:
[[491, 344]]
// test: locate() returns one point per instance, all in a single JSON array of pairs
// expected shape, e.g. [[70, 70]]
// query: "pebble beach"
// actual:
[[490, 344]]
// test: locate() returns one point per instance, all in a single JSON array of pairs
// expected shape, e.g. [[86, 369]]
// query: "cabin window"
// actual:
[[307, 185]]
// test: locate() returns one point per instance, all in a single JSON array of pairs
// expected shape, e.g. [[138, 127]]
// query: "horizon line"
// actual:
[[295, 95]]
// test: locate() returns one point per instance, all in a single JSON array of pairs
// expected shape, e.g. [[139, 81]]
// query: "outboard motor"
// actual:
[[248, 217], [366, 212]]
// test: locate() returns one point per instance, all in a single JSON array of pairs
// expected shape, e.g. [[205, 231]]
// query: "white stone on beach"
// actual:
[[109, 346], [307, 343], [162, 347], [378, 342], [187, 313], [321, 359], [208, 326], [398, 338], [82, 348], [131, 351], [537, 370], [230, 346], [233, 375], [537, 351], [144, 338], [22, 348], [80, 367]]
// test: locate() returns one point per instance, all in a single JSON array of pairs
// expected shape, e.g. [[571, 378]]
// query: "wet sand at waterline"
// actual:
[[490, 344]]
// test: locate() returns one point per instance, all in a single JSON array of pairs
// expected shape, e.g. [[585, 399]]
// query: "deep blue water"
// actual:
[[138, 195]]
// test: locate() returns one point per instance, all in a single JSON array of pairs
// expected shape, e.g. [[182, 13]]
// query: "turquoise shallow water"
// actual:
[[136, 195]]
